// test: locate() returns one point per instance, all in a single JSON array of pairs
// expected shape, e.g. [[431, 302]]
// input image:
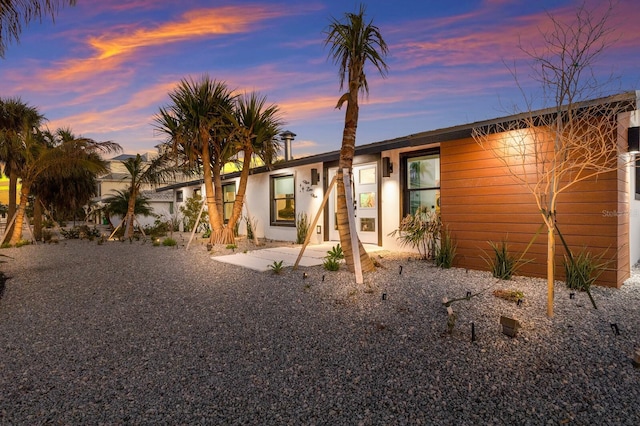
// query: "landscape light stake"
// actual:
[[468, 295], [384, 296], [473, 332], [519, 302], [400, 273], [322, 277], [572, 295], [304, 275], [614, 327]]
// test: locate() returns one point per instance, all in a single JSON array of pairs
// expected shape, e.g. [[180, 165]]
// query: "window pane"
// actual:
[[423, 199], [228, 210], [423, 172], [283, 187], [229, 192], [285, 210]]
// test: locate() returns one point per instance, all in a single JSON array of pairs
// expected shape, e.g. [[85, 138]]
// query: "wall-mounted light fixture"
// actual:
[[387, 167], [633, 138], [315, 177], [319, 229]]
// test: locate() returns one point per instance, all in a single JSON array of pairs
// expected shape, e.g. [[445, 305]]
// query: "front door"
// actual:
[[365, 197]]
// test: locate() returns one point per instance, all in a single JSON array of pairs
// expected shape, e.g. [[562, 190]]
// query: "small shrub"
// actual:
[[446, 252], [420, 231], [156, 242], [71, 234], [251, 226], [582, 270], [331, 264], [22, 243], [5, 245], [276, 266], [335, 253], [231, 247], [302, 228], [169, 242], [503, 264]]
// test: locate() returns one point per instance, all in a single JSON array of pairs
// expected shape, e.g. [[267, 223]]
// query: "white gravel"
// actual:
[[128, 333]]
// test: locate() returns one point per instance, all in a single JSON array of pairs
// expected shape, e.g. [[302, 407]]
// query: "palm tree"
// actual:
[[42, 156], [156, 171], [352, 44], [15, 13], [256, 127], [68, 192], [118, 204], [198, 125], [15, 116]]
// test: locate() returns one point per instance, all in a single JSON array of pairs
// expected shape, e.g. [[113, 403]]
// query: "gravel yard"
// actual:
[[128, 333]]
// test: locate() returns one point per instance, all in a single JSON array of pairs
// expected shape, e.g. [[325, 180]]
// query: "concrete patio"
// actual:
[[259, 260]]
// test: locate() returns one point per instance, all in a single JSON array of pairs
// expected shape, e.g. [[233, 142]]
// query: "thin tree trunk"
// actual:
[[131, 208], [13, 191], [37, 219], [551, 259]]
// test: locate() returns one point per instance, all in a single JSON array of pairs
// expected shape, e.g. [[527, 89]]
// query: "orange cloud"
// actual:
[[112, 49]]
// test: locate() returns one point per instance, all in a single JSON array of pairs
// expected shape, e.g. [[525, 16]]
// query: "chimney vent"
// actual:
[[287, 136]]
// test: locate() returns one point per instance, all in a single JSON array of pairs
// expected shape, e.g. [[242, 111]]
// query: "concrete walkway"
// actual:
[[260, 260]]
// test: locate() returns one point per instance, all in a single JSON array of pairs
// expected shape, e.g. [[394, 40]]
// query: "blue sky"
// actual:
[[104, 68]]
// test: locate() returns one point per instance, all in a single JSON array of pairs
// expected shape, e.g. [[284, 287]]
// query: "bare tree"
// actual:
[[573, 140]]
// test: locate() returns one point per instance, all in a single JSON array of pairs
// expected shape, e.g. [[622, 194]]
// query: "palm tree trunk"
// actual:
[[347, 152], [37, 219], [13, 191], [242, 190], [16, 236], [131, 209], [215, 220]]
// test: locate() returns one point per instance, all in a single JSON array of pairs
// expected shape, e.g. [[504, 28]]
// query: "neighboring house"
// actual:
[[447, 170], [118, 178]]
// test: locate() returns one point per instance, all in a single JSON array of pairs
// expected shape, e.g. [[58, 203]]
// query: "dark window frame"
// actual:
[[272, 200], [179, 196], [405, 208], [225, 203]]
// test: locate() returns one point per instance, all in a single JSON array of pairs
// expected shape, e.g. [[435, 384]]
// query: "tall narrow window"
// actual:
[[228, 199], [421, 182], [283, 206], [179, 196]]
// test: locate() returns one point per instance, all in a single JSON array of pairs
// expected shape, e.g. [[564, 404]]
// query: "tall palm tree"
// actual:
[[352, 43], [15, 116], [156, 171], [42, 156], [256, 127], [16, 13], [197, 124]]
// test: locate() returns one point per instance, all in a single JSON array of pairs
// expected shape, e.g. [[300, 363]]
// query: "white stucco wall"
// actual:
[[627, 120]]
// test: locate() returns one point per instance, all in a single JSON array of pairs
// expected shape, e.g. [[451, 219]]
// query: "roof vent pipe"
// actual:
[[287, 136]]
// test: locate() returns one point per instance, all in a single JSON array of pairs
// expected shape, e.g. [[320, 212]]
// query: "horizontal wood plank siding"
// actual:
[[481, 202]]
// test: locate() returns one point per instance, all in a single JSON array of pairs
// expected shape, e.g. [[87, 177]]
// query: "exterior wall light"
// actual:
[[387, 167], [633, 138]]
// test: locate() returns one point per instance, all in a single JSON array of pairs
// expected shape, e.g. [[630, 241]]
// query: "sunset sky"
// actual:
[[105, 67]]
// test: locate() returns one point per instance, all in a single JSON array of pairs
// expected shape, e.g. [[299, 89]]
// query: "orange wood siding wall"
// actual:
[[481, 202]]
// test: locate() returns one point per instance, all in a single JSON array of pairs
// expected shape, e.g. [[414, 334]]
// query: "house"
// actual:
[[118, 179], [478, 200]]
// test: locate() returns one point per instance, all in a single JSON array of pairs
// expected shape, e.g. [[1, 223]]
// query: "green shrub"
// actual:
[[446, 252], [231, 247], [420, 231], [503, 264], [22, 243], [5, 245], [582, 270], [276, 266], [335, 253], [251, 226], [331, 264], [302, 228], [169, 242]]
